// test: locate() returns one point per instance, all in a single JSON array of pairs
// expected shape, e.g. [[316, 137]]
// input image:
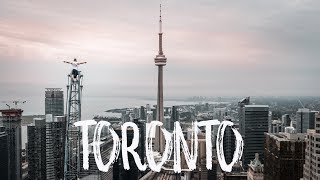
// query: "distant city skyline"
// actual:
[[215, 48]]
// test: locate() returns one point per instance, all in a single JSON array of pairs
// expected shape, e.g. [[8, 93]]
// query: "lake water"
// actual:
[[92, 106]]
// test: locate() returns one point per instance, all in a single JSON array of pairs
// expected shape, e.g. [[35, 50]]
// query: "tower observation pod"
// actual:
[[73, 135]]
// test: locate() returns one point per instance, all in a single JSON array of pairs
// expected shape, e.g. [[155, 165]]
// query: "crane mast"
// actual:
[[73, 135]]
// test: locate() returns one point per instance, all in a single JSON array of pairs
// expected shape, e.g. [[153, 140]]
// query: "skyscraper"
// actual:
[[276, 126], [55, 138], [136, 112], [149, 116], [143, 113], [12, 124], [55, 127], [286, 121], [119, 173], [160, 61], [154, 113], [4, 160], [255, 125], [37, 149], [201, 172], [174, 116], [311, 168], [141, 147], [241, 104], [229, 142], [54, 102], [284, 156], [305, 120]]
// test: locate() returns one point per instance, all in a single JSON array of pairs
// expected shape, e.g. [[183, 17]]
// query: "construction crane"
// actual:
[[301, 103], [14, 102], [73, 136]]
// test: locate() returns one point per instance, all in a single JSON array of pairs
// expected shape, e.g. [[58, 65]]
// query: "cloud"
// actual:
[[213, 47]]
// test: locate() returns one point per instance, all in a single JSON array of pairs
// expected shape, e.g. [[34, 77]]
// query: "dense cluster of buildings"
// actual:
[[286, 148], [279, 152]]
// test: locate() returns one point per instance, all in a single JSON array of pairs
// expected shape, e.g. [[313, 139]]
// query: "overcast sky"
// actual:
[[214, 48]]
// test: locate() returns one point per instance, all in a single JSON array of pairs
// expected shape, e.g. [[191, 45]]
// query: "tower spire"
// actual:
[[160, 32], [160, 21]]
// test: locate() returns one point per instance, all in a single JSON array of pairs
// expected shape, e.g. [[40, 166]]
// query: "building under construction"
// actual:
[[4, 160], [12, 126]]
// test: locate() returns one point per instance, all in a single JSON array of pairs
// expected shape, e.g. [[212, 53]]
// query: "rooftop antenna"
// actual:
[[160, 21]]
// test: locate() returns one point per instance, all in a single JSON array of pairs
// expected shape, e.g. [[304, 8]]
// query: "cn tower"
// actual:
[[160, 61]]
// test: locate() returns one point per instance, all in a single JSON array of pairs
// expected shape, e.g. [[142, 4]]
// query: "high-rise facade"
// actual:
[[149, 116], [286, 120], [284, 156], [54, 102], [201, 172], [55, 138], [276, 126], [241, 104], [136, 112], [174, 116], [119, 173], [229, 142], [4, 160], [12, 125], [55, 133], [154, 112], [37, 149], [305, 120], [141, 146], [311, 169], [143, 113], [255, 125]]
